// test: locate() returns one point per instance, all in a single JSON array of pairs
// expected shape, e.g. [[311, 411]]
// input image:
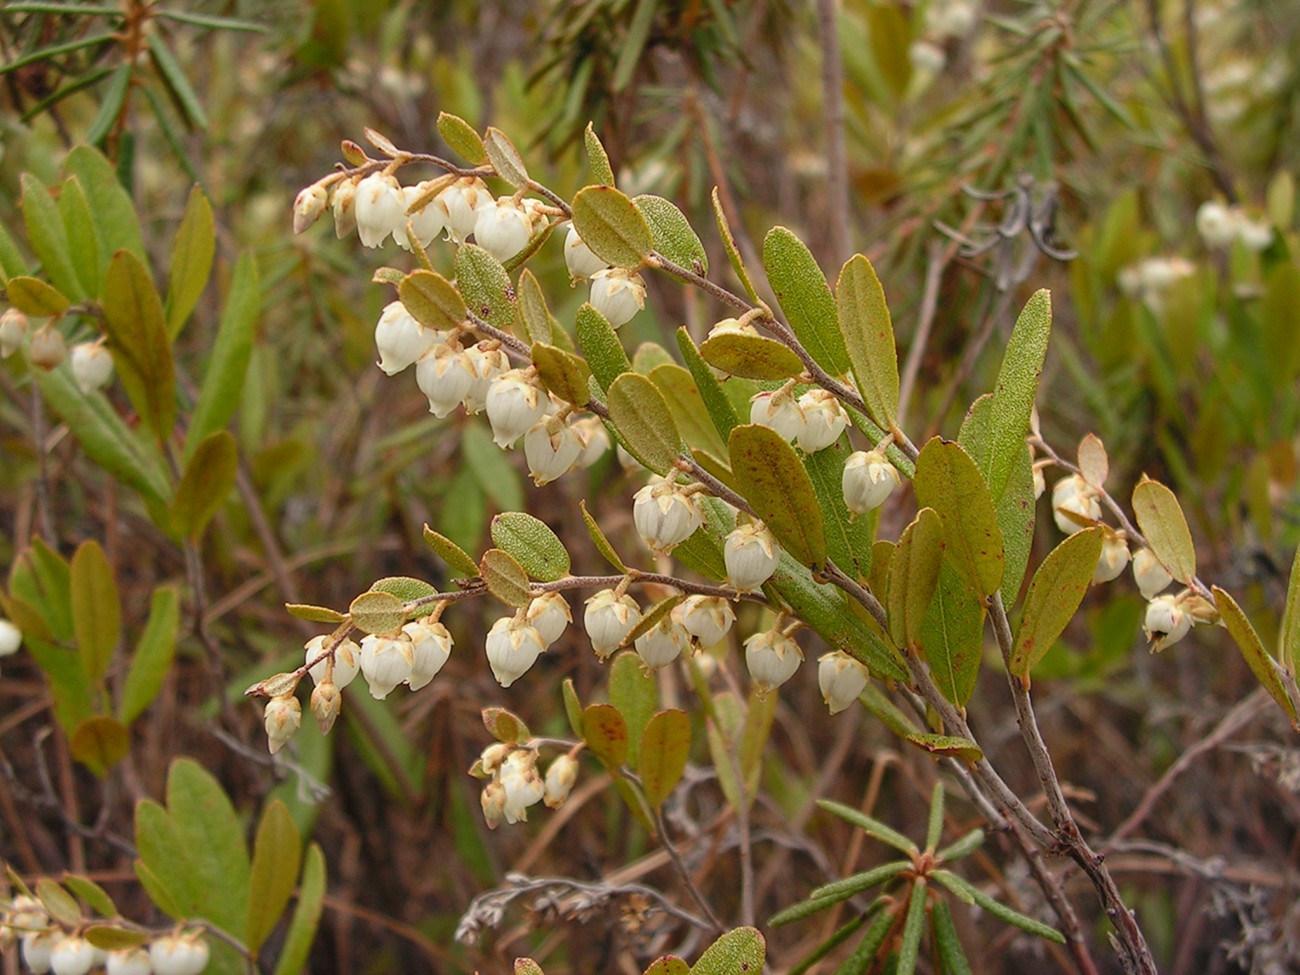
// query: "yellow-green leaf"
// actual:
[[611, 225], [597, 158], [639, 413], [451, 553], [1014, 392], [738, 951], [432, 300], [750, 356], [776, 484], [79, 225], [869, 338], [96, 608], [598, 539], [665, 747], [563, 373], [1161, 519], [634, 691], [99, 743], [948, 481], [306, 916], [95, 896], [111, 937], [192, 254], [533, 545], [153, 655], [462, 138], [406, 588], [46, 235], [539, 324], [208, 480], [1252, 649], [605, 732], [805, 298], [729, 245], [377, 612], [277, 855], [673, 236], [223, 383], [504, 577], [485, 285], [34, 297], [1057, 588], [1289, 637], [600, 346], [137, 335], [505, 158], [314, 614], [58, 903], [952, 635], [913, 576], [720, 409], [505, 726]]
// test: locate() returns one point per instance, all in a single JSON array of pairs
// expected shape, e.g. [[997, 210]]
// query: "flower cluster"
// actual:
[[814, 420], [1220, 226], [90, 362], [514, 782]]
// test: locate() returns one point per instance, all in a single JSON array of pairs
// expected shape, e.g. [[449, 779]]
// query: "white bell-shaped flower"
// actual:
[[1166, 622], [380, 208], [13, 330], [751, 556], [27, 914], [772, 658], [778, 410], [513, 646], [1217, 224], [594, 439], [445, 376], [580, 259], [281, 719], [550, 615], [1255, 235], [72, 955], [430, 649], [1074, 504], [502, 229], [347, 661], [47, 349], [461, 202], [707, 619], [308, 206], [179, 954], [608, 619], [662, 643], [618, 294], [665, 515], [561, 775], [401, 340], [869, 479], [11, 638], [841, 679], [92, 366], [514, 404], [386, 661], [37, 949], [128, 961], [343, 204], [552, 447], [493, 802], [1151, 576], [1114, 558], [523, 784], [427, 222], [486, 364], [824, 420]]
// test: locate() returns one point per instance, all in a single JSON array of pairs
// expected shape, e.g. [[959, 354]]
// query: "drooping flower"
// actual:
[[1166, 622], [513, 646], [386, 661], [608, 619], [1074, 504], [380, 209], [665, 515], [551, 447], [662, 643], [427, 222], [561, 775], [617, 294], [514, 404], [502, 229], [308, 206], [347, 661], [445, 376], [430, 650], [401, 340], [841, 679], [580, 259], [1149, 573], [1114, 558], [778, 410], [751, 556], [868, 481], [282, 718], [92, 366], [13, 330], [487, 362], [523, 785], [824, 420], [772, 658], [461, 202], [549, 613], [707, 619]]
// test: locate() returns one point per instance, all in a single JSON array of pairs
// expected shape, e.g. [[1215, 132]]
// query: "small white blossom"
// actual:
[[662, 643], [772, 658], [347, 661], [580, 259], [486, 364], [824, 420], [608, 619], [427, 222], [617, 294], [550, 615], [343, 203], [502, 229], [1166, 622], [523, 785], [707, 619], [841, 679], [72, 955], [430, 649], [386, 661], [179, 954], [665, 515], [1217, 224], [308, 206], [778, 410], [513, 646], [401, 340], [11, 638], [13, 329], [1074, 504], [492, 756], [594, 439], [751, 556], [282, 718], [92, 366], [493, 802], [47, 349], [927, 57], [128, 961], [552, 447], [1255, 235], [37, 949], [380, 209], [1151, 576], [445, 376], [514, 404], [561, 775], [868, 481], [1114, 558], [461, 202]]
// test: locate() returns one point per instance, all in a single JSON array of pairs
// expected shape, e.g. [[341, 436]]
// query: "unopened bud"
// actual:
[[92, 366], [47, 348], [13, 329], [282, 719], [308, 207], [326, 703], [560, 778]]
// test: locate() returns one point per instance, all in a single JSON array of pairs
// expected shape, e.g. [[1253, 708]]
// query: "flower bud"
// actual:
[[179, 954], [580, 259], [513, 646], [779, 411], [386, 661], [549, 614], [502, 229], [1166, 622], [1040, 483], [665, 515], [751, 555], [128, 961], [282, 718], [493, 801], [13, 329], [26, 914], [401, 340], [841, 679], [561, 775], [326, 703], [1150, 575], [824, 420], [1074, 504], [308, 207], [485, 365], [524, 787], [37, 949], [72, 955], [344, 206], [47, 348], [430, 650], [662, 643], [617, 294], [347, 661], [380, 209], [1114, 558], [461, 202], [445, 376], [869, 479], [772, 658], [493, 756], [594, 439], [707, 619], [427, 222], [11, 638], [552, 447], [514, 403], [92, 366], [608, 619]]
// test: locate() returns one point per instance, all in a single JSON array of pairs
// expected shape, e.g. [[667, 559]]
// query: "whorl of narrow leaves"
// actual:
[[611, 225], [432, 300], [1055, 592], [532, 544], [772, 479], [640, 414], [869, 338], [1161, 519]]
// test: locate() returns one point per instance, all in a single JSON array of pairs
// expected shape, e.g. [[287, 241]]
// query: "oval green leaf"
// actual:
[[223, 383], [913, 577], [47, 237], [486, 288], [153, 655], [1161, 519], [306, 916], [673, 236], [504, 577], [597, 158], [1014, 392], [99, 743], [736, 952], [536, 548], [539, 324], [805, 298], [775, 483], [505, 158], [600, 345], [111, 937], [462, 138], [719, 407], [505, 726], [137, 334], [314, 614], [1057, 588], [665, 747], [432, 300], [563, 373], [948, 481], [1289, 637], [750, 356], [377, 612], [96, 608], [634, 690], [729, 245], [1252, 649], [599, 539], [405, 588], [640, 414], [207, 482], [34, 297], [58, 903], [869, 338], [611, 225], [192, 253], [277, 855], [451, 553], [605, 732]]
